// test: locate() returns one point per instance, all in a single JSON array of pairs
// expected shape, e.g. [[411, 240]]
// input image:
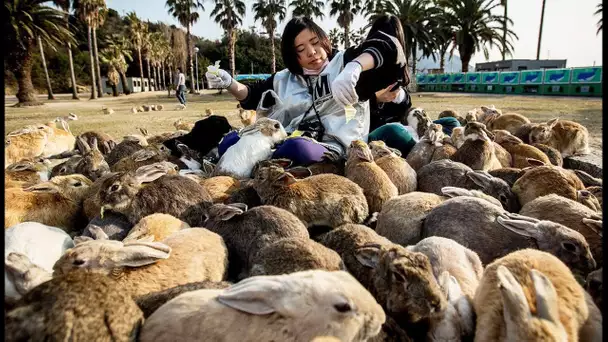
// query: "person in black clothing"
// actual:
[[313, 96]]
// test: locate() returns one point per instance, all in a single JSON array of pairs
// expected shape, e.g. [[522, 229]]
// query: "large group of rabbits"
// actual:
[[480, 235]]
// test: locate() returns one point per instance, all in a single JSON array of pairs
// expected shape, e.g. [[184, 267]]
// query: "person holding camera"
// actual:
[[319, 98]]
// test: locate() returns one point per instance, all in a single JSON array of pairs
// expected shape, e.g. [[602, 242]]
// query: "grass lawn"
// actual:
[[587, 111]]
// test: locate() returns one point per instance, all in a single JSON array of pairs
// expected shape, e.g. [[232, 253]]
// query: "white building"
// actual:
[[133, 83]]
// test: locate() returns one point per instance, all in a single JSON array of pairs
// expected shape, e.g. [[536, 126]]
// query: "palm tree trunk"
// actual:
[[414, 58], [49, 89], [274, 61], [540, 30], [465, 58], [72, 74], [170, 79], [442, 51], [93, 93], [188, 38], [114, 89], [232, 35], [141, 70], [125, 87], [99, 87], [347, 34], [21, 64], [156, 80], [149, 76], [162, 67]]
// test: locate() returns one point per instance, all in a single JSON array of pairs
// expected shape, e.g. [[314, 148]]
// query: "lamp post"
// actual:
[[196, 59]]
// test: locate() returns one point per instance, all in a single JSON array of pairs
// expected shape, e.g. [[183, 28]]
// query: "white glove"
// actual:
[[222, 80], [400, 97], [343, 87]]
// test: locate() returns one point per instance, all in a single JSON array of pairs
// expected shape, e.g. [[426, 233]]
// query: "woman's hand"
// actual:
[[386, 95], [343, 87], [220, 81]]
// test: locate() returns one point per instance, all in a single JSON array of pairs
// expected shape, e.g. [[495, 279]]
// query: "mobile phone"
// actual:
[[395, 87]]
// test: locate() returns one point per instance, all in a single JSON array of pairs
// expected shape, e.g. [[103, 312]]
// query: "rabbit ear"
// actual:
[[149, 173], [142, 155], [97, 232], [547, 306], [43, 187], [282, 162], [256, 295], [520, 227], [594, 225], [300, 172], [360, 154], [551, 123], [94, 145], [137, 253], [81, 239], [226, 212], [535, 162], [19, 167], [17, 263], [515, 304], [481, 179], [143, 131], [452, 191], [368, 255], [287, 178], [83, 146]]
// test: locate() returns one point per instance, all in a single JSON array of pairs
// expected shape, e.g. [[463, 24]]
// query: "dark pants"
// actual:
[[181, 94]]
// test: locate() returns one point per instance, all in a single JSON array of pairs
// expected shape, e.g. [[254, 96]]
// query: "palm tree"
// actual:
[[25, 21], [147, 51], [137, 31], [540, 30], [65, 5], [116, 54], [186, 12], [49, 89], [308, 8], [504, 30], [228, 14], [91, 12], [419, 19], [475, 27], [266, 11], [599, 22], [336, 36], [346, 10]]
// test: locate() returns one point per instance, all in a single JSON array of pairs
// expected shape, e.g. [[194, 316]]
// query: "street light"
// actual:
[[196, 58]]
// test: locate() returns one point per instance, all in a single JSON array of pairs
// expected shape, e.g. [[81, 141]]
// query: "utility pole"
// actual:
[[540, 31], [196, 66]]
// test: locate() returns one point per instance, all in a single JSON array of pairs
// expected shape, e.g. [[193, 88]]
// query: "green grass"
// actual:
[[587, 111]]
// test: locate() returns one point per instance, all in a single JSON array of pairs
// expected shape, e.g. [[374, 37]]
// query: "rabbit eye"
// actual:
[[398, 276], [570, 247], [277, 126], [78, 262], [343, 307], [114, 187], [502, 199], [77, 184]]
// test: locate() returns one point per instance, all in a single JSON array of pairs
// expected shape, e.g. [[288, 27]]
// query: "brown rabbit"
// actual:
[[92, 165], [361, 169], [509, 122], [553, 154], [325, 199], [477, 152], [568, 137], [519, 151], [502, 155], [167, 194], [523, 132], [544, 180], [248, 117], [105, 141], [146, 156], [180, 124], [396, 168], [125, 148], [453, 114], [431, 147], [29, 170]]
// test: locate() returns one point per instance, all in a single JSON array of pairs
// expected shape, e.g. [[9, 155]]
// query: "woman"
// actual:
[[311, 96]]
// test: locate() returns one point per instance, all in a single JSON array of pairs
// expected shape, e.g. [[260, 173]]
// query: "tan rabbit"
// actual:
[[248, 117], [478, 151], [92, 165], [509, 122], [105, 142], [453, 114], [27, 172], [361, 169], [396, 168], [146, 156], [431, 147], [324, 199], [503, 156], [552, 153], [568, 137], [484, 113], [57, 203], [518, 150], [208, 112], [180, 124]]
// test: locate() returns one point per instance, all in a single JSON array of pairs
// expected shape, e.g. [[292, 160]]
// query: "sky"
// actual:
[[569, 29]]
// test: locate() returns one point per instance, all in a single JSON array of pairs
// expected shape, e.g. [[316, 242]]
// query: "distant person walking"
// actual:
[[180, 90]]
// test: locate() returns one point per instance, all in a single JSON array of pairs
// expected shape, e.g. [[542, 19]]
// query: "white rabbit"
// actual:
[[255, 144]]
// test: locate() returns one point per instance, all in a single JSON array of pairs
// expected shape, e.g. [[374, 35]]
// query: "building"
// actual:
[[521, 64], [133, 83]]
